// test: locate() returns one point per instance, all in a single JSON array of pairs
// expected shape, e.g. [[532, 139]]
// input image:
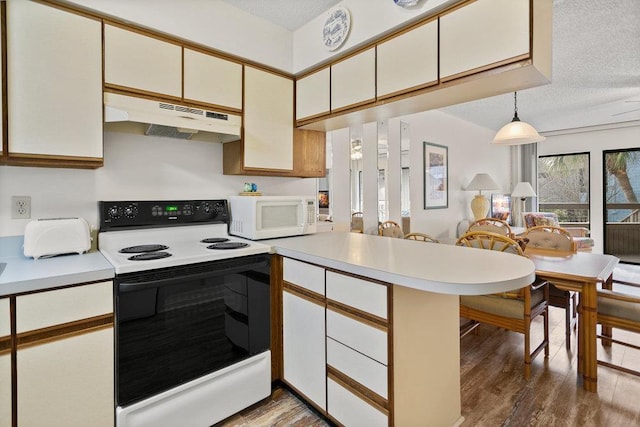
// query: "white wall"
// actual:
[[593, 141], [469, 153], [212, 23], [135, 168]]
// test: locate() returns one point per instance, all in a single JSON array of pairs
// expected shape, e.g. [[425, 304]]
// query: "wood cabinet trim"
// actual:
[[356, 105], [358, 315], [488, 67], [369, 396], [17, 159], [410, 89], [304, 293], [69, 9], [63, 331]]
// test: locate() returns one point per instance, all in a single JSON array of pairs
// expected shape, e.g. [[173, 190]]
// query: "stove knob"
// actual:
[[114, 212], [206, 208], [131, 211]]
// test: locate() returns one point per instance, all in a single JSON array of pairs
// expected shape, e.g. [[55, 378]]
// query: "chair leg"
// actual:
[[527, 348], [569, 307], [546, 332]]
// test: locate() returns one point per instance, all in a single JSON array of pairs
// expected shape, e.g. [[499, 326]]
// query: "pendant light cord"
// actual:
[[515, 107]]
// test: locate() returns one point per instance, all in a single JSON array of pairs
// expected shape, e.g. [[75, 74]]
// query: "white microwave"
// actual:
[[268, 217]]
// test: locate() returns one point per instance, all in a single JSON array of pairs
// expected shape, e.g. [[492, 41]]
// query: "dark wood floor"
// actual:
[[494, 392]]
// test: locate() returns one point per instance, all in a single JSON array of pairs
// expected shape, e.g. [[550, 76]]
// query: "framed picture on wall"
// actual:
[[323, 199], [436, 176], [501, 207]]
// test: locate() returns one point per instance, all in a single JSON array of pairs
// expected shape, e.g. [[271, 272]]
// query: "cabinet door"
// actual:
[[312, 94], [309, 153], [351, 410], [5, 364], [303, 336], [212, 80], [74, 376], [353, 81], [65, 356], [483, 34], [141, 63], [268, 120], [409, 61], [54, 67]]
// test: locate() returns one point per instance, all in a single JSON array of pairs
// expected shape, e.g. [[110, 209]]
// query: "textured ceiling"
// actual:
[[596, 64]]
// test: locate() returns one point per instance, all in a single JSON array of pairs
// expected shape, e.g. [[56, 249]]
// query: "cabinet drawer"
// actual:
[[51, 308], [350, 410], [366, 339], [304, 275], [357, 293], [366, 371]]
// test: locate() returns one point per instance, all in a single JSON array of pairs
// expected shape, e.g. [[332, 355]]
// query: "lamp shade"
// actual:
[[523, 190], [482, 181], [516, 133]]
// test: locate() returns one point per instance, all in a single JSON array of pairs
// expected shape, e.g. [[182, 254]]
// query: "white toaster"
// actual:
[[56, 236]]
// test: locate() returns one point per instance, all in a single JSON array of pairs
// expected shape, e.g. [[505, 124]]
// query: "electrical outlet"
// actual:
[[20, 207]]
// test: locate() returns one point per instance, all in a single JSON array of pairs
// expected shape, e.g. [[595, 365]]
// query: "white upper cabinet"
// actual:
[[212, 80], [312, 94], [409, 61], [268, 120], [140, 62], [54, 74], [353, 81], [483, 34]]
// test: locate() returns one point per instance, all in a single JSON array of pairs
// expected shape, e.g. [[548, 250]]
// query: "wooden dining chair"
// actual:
[[390, 229], [619, 310], [553, 238], [421, 237], [492, 225], [513, 310], [357, 222]]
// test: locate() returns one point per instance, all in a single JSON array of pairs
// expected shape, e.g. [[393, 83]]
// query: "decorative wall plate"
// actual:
[[336, 27], [406, 3]]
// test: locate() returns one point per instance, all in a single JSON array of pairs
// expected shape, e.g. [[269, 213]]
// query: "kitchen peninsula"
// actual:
[[369, 330]]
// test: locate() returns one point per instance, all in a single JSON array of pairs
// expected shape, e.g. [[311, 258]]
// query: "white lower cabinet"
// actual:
[[5, 364], [303, 337], [65, 357], [68, 382], [350, 410]]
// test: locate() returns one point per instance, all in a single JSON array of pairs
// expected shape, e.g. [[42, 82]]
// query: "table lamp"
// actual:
[[480, 204], [522, 190]]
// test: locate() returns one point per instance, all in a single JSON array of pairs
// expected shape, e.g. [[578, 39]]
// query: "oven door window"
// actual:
[[178, 331]]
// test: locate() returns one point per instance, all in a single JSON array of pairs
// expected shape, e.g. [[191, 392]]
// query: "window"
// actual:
[[563, 187]]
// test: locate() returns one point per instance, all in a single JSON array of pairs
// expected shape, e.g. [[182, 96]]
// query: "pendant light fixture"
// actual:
[[517, 132]]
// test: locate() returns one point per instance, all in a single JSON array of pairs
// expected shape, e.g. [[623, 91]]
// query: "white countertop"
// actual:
[[22, 274], [432, 267]]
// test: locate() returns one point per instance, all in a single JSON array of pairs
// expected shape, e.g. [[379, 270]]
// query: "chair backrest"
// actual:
[[535, 219], [421, 237], [491, 241], [357, 222], [549, 237], [492, 225], [390, 229]]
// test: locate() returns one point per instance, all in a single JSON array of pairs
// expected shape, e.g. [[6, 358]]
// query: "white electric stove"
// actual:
[[192, 311]]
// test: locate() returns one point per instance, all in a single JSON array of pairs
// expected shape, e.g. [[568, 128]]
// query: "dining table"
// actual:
[[581, 272]]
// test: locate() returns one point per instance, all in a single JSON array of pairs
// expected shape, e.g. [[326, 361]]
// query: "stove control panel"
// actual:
[[140, 214]]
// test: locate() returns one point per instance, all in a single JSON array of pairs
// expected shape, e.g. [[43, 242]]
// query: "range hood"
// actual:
[[169, 119]]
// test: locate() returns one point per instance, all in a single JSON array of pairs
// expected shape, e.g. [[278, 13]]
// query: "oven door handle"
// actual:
[[156, 283]]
